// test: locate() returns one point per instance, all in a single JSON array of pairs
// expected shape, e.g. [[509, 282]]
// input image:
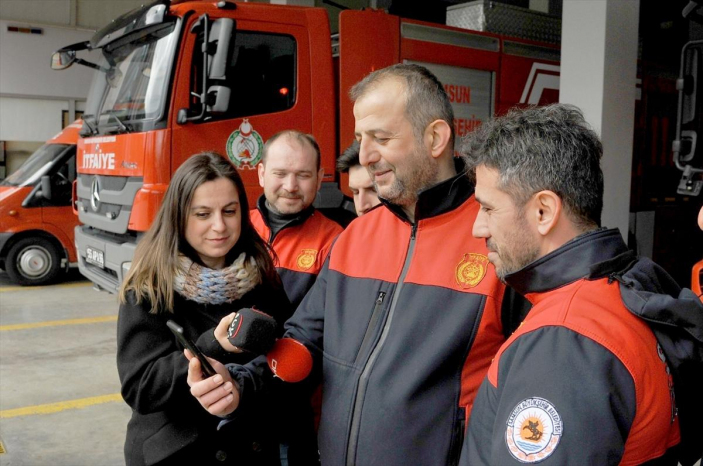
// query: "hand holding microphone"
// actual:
[[253, 331]]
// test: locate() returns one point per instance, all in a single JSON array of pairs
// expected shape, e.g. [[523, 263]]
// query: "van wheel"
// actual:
[[33, 261]]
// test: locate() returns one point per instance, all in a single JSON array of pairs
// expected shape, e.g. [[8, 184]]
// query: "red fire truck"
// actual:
[[37, 222], [181, 77]]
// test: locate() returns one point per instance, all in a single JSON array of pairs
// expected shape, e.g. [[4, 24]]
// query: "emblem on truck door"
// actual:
[[245, 146], [95, 194]]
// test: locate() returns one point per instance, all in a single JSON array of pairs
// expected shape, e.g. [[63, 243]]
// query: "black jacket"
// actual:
[[168, 425]]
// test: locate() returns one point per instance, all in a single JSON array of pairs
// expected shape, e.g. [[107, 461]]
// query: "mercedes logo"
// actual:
[[95, 194]]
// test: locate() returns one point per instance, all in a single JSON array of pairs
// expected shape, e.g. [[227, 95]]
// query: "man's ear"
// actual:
[[260, 170], [546, 210], [320, 175], [439, 133]]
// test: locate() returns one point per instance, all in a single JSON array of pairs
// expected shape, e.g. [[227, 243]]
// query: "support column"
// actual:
[[598, 72]]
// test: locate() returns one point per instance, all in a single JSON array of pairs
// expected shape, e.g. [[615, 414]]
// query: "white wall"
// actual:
[[25, 63], [91, 14], [32, 95], [598, 70], [40, 11], [34, 120]]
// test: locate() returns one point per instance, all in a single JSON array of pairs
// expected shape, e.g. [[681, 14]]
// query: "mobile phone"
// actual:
[[177, 330]]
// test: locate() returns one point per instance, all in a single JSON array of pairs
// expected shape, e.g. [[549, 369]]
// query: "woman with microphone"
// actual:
[[200, 261]]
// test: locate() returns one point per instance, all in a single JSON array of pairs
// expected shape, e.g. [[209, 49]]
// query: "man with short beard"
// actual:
[[590, 375], [405, 316], [299, 234]]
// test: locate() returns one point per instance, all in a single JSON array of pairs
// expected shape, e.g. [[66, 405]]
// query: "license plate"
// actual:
[[95, 257]]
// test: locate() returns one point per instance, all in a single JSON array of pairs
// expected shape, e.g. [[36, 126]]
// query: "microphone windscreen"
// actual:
[[252, 330], [289, 360]]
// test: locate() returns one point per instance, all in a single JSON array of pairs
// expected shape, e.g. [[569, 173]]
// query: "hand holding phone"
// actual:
[[177, 330]]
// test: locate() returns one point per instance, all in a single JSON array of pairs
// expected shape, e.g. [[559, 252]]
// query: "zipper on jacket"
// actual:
[[373, 322], [366, 372]]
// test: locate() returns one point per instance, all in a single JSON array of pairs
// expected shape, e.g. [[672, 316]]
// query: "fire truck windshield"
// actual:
[[132, 86]]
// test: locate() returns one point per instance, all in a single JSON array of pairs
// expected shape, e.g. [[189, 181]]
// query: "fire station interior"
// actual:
[[60, 397]]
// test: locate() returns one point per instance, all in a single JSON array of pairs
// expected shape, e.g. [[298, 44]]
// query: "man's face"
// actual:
[[399, 165], [289, 175], [360, 184], [512, 241]]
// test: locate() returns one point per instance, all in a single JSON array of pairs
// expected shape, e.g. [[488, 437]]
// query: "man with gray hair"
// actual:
[[590, 375], [405, 316]]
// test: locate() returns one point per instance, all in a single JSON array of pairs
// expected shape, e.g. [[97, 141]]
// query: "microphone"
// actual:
[[254, 331], [289, 360]]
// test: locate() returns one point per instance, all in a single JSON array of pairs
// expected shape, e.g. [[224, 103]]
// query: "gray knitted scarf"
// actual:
[[209, 286]]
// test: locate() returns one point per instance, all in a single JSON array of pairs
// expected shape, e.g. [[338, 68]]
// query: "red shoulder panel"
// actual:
[[304, 248], [595, 310], [464, 262], [373, 246]]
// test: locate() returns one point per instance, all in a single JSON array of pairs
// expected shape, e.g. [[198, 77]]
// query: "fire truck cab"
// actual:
[[181, 77]]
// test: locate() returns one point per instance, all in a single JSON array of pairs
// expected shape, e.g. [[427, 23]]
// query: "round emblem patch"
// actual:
[[471, 270], [533, 431], [245, 146], [306, 259]]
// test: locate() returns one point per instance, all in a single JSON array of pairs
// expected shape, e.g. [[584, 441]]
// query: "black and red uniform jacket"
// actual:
[[402, 323], [301, 246], [585, 380]]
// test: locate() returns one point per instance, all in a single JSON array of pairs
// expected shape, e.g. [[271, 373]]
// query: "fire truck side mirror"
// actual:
[[219, 40], [62, 59], [218, 99], [46, 187], [688, 142]]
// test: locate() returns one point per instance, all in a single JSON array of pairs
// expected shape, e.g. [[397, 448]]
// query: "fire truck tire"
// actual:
[[33, 261]]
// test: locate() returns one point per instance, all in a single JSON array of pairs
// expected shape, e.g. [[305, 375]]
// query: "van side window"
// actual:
[[260, 74]]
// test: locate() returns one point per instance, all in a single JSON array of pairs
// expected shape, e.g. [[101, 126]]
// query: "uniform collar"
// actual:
[[443, 197], [277, 222], [593, 255]]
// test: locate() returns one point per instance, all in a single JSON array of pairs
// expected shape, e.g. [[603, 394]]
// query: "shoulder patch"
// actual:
[[533, 431], [306, 258], [471, 270]]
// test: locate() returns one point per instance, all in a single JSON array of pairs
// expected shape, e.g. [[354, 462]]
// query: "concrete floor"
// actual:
[[59, 389]]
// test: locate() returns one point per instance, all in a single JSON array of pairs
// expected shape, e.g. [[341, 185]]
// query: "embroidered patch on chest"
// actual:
[[471, 270], [306, 259], [533, 431]]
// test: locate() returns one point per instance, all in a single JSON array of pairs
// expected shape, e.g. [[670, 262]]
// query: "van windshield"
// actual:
[[36, 166], [132, 85]]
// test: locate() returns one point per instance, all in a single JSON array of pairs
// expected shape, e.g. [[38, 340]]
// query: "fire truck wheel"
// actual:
[[33, 261]]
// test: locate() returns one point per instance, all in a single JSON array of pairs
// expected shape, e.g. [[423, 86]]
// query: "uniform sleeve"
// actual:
[[272, 300], [561, 399], [306, 326], [152, 369]]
